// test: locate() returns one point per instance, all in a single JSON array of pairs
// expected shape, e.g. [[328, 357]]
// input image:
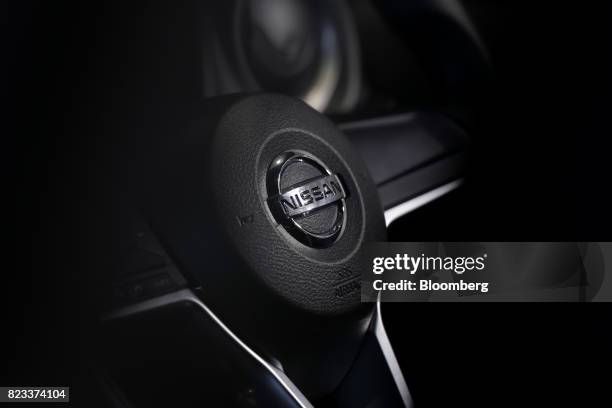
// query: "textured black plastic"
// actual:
[[249, 136]]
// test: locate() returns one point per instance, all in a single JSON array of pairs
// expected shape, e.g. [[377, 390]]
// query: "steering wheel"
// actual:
[[246, 221]]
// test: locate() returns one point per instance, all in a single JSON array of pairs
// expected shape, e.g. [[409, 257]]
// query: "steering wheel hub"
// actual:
[[296, 202]]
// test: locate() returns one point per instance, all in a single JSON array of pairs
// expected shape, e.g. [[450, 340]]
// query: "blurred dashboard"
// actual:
[[341, 57]]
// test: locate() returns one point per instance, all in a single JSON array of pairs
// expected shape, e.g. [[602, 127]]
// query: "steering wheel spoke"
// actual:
[[414, 158]]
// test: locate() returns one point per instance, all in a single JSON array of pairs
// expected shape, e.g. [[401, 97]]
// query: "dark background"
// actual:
[[75, 73]]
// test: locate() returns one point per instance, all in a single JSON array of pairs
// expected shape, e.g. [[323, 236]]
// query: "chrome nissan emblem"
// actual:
[[306, 198]]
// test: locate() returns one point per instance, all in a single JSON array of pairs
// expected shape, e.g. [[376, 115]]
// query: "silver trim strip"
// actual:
[[189, 296], [404, 208], [385, 345]]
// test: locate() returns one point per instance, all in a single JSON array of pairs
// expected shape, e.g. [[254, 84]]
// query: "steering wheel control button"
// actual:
[[306, 198]]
